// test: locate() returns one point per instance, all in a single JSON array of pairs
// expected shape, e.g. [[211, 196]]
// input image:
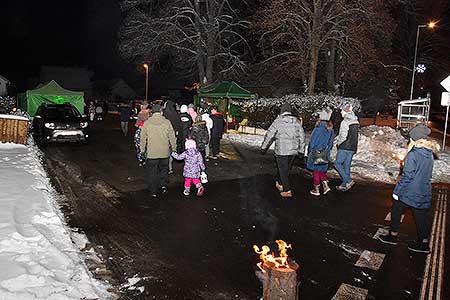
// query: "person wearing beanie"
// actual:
[[287, 133], [193, 167], [413, 189], [185, 126], [347, 145], [158, 138], [191, 111], [321, 140]]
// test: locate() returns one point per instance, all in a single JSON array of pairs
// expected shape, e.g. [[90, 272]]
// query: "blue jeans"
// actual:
[[343, 163]]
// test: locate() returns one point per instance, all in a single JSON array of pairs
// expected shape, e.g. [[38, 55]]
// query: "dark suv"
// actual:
[[59, 123]]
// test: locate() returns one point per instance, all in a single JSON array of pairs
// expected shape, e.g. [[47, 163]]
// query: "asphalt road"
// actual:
[[201, 248]]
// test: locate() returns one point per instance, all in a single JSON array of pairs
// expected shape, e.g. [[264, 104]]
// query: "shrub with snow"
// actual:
[[261, 112]]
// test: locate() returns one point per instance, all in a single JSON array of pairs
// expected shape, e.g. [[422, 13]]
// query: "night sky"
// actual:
[[84, 33], [63, 33]]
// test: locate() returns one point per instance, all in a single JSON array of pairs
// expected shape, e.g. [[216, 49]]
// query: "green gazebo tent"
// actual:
[[52, 92], [220, 93]]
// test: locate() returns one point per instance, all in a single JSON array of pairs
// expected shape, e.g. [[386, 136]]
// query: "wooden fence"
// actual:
[[13, 129]]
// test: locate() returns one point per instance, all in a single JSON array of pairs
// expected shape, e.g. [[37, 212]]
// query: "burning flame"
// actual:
[[269, 259]]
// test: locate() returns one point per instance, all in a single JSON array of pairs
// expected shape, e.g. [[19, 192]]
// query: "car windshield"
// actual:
[[62, 112]]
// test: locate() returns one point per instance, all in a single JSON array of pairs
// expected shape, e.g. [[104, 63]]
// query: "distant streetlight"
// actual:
[[430, 25], [146, 81]]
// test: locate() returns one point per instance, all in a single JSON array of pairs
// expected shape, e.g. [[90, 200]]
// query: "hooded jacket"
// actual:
[[217, 128], [321, 139], [414, 186], [288, 134], [193, 162], [199, 132], [347, 138], [171, 114], [183, 133], [159, 137]]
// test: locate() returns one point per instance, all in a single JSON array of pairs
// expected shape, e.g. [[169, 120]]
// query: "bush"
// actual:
[[262, 112]]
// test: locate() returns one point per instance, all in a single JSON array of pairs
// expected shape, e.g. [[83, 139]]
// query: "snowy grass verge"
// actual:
[[37, 256], [377, 156]]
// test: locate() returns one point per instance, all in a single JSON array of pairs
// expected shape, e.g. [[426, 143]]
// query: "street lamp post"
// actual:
[[146, 81], [430, 25]]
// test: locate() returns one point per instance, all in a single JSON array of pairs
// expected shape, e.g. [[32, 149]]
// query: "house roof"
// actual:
[[4, 79]]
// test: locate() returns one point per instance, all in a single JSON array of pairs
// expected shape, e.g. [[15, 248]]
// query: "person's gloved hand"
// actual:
[[301, 155], [395, 197], [263, 151]]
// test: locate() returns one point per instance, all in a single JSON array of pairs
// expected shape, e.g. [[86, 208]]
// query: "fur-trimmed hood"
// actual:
[[426, 144]]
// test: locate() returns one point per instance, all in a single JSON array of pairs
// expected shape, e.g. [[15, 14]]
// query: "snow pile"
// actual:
[[377, 159], [37, 257]]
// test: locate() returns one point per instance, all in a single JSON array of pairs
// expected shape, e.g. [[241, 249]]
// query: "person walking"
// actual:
[[216, 132], [347, 145], [199, 132], [193, 167], [158, 137], [91, 111], [99, 112], [185, 126], [289, 137], [125, 116], [321, 140], [413, 189], [170, 112], [209, 125], [142, 116]]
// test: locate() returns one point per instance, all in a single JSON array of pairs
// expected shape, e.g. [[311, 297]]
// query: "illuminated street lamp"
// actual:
[[146, 81], [430, 25]]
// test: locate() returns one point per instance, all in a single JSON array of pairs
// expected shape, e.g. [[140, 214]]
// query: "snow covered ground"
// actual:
[[38, 259], [378, 154]]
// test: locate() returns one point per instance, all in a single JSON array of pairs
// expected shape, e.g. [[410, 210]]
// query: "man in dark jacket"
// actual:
[[185, 127], [125, 116], [216, 132], [413, 190], [170, 113], [347, 145], [289, 137]]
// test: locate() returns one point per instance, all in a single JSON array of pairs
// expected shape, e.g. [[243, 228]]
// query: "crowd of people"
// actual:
[[164, 133], [289, 137], [413, 189]]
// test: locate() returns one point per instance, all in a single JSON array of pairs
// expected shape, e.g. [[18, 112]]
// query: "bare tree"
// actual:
[[298, 30], [202, 36]]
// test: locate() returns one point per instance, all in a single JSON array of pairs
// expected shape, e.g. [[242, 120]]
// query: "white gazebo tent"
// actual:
[[412, 111]]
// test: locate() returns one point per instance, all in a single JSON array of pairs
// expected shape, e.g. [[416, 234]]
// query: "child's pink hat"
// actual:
[[190, 144]]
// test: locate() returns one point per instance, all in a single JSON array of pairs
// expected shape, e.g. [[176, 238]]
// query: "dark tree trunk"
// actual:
[[315, 47], [331, 56]]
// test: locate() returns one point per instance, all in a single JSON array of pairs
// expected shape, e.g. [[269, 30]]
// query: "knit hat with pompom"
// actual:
[[190, 144]]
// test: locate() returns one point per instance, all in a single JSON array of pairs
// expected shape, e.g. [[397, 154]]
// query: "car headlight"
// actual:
[[50, 125], [84, 124]]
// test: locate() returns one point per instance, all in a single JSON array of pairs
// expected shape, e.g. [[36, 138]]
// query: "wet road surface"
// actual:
[[201, 248]]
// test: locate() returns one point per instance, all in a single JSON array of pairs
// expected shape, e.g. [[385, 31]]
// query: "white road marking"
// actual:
[[350, 292], [434, 267], [371, 260]]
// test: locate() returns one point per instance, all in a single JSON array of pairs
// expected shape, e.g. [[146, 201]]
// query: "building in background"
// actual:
[[4, 83]]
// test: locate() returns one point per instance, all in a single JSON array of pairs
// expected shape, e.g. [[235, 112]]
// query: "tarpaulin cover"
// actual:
[[225, 89], [50, 93]]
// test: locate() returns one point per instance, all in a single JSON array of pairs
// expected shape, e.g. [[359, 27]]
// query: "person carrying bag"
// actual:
[[319, 148]]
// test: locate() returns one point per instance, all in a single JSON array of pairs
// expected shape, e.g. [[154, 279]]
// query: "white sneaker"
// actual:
[[186, 192]]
